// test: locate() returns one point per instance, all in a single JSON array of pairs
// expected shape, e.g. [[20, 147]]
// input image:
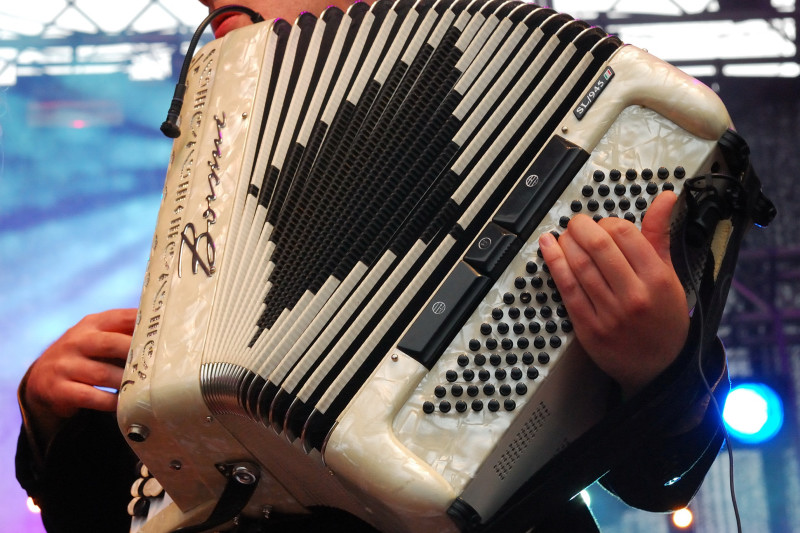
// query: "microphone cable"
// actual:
[[700, 313], [170, 126]]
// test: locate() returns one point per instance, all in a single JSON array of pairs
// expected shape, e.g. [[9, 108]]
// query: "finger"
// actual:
[[105, 345], [89, 372], [647, 251], [116, 320], [99, 374], [85, 396], [638, 252], [569, 286], [599, 258], [656, 225]]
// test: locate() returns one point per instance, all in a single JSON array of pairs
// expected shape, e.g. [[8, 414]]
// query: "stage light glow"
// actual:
[[587, 498], [682, 518], [753, 413], [32, 507]]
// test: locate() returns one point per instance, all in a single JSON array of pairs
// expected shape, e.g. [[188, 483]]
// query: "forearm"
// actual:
[[668, 468], [82, 480], [38, 425]]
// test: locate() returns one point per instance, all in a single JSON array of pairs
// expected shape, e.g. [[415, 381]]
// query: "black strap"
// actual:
[[242, 482]]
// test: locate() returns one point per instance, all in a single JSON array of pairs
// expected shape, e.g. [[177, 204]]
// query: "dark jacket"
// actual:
[[82, 480]]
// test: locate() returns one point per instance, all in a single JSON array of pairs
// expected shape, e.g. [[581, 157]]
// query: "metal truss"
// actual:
[[68, 37], [74, 37], [764, 305], [780, 19]]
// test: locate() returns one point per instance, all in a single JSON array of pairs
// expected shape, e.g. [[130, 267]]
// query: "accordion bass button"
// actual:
[[138, 432], [244, 475], [138, 507]]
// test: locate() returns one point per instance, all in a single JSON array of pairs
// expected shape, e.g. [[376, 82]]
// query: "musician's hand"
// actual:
[[63, 379], [622, 293]]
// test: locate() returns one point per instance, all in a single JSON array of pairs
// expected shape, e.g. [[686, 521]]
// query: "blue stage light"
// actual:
[[753, 413]]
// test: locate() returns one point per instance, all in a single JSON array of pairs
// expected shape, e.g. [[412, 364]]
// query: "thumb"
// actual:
[[656, 224]]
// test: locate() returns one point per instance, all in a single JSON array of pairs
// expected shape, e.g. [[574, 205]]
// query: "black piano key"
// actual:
[[316, 430], [296, 418], [249, 391], [278, 407], [264, 399]]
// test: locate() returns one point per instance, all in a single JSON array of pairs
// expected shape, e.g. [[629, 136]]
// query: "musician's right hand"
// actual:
[[626, 301], [64, 378]]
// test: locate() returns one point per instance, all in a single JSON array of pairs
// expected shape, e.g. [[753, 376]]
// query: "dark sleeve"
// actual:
[[665, 471], [82, 481]]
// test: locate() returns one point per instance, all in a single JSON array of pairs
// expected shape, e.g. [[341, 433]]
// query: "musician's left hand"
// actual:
[[625, 300], [64, 379]]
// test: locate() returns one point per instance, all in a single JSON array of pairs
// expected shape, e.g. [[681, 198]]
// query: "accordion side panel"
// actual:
[[161, 408], [640, 78], [650, 118], [417, 493]]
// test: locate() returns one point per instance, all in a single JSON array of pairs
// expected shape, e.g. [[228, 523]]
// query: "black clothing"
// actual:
[[83, 481]]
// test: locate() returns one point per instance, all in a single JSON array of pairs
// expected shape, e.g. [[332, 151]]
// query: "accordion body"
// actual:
[[344, 304]]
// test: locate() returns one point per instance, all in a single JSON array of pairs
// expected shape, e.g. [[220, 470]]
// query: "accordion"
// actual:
[[345, 305]]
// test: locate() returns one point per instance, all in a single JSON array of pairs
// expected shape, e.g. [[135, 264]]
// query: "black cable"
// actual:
[[728, 447], [170, 126], [698, 311]]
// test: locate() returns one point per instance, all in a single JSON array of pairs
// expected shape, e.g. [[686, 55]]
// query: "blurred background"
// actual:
[[85, 84]]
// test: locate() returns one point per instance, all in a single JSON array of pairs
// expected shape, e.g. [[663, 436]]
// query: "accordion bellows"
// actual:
[[344, 298]]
